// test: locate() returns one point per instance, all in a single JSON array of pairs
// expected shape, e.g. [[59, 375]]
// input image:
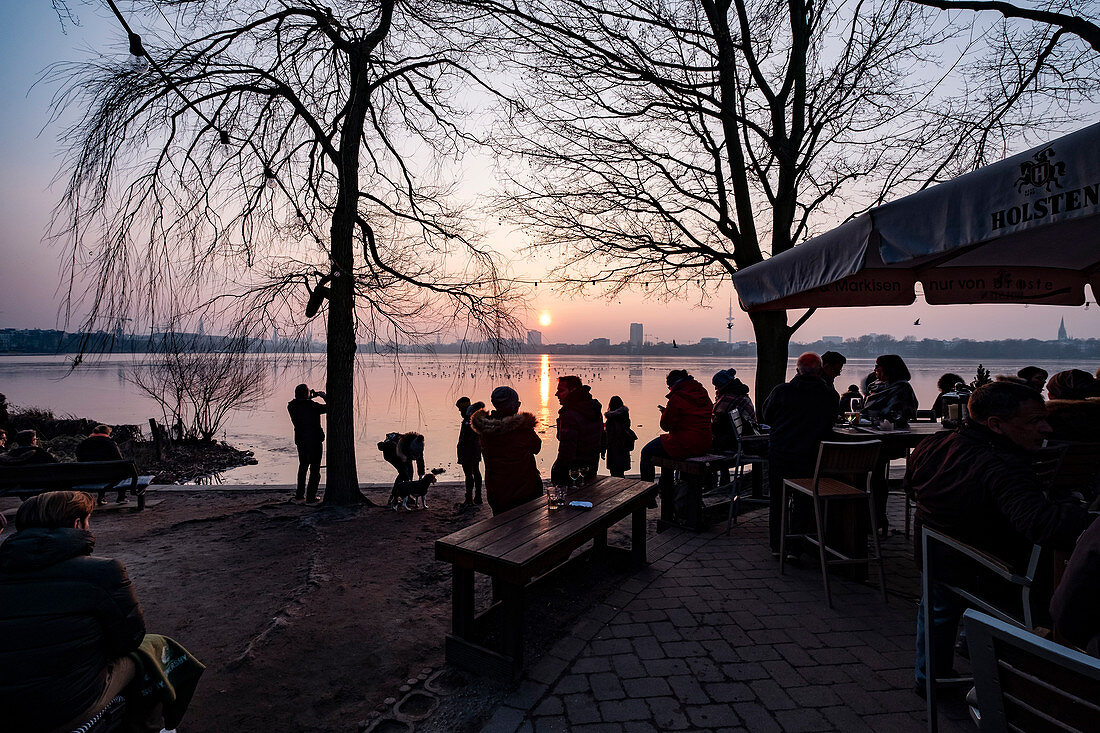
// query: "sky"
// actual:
[[31, 38]]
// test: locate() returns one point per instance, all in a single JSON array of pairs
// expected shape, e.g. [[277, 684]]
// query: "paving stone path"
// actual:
[[709, 637]]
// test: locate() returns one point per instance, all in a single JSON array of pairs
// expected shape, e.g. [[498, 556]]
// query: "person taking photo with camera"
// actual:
[[309, 438]]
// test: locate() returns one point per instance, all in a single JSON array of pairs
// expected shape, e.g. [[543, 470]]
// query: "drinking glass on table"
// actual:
[[575, 476]]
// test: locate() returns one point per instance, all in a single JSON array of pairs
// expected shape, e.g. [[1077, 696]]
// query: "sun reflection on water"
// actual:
[[544, 390]]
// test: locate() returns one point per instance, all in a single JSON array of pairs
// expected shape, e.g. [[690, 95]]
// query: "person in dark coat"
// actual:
[[976, 484], [853, 393], [946, 383], [99, 447], [403, 451], [469, 454], [1075, 606], [580, 430], [26, 451], [1036, 377], [801, 414], [67, 620], [619, 438], [509, 445], [309, 438]]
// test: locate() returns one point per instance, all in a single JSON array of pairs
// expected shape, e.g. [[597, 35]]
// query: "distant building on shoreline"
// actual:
[[534, 338], [636, 335]]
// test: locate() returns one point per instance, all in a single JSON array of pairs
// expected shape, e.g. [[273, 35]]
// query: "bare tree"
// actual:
[[1062, 15], [199, 383], [670, 143], [281, 159]]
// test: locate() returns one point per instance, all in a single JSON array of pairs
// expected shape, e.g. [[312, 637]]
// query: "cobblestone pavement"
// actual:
[[709, 637]]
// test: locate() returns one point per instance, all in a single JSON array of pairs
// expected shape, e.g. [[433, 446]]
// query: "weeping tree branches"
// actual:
[[291, 154]]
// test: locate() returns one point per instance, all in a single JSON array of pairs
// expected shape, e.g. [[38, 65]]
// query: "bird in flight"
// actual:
[[916, 322]]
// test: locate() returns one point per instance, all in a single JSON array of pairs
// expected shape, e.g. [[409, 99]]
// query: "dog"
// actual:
[[416, 490]]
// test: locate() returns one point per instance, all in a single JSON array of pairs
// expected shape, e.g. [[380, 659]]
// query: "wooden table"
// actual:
[[519, 545], [909, 438]]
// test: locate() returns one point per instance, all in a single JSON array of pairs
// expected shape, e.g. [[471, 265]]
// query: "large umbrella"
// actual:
[[1024, 230]]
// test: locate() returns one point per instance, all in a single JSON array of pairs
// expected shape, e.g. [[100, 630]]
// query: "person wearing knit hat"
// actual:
[[1073, 384], [509, 444], [505, 399]]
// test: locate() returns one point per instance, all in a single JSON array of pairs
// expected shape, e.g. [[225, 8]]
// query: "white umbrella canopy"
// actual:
[[1024, 230]]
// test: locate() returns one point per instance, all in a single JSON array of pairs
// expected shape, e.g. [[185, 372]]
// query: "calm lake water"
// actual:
[[418, 393]]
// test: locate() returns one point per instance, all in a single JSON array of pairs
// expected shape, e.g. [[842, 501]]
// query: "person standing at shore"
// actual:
[[509, 444], [580, 430], [619, 438], [469, 452], [305, 414]]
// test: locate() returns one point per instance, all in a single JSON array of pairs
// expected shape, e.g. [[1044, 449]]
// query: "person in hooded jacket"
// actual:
[[686, 417], [67, 620], [509, 445], [580, 430], [619, 438]]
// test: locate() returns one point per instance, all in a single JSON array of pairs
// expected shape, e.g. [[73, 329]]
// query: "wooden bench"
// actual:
[[698, 474], [518, 546], [92, 476]]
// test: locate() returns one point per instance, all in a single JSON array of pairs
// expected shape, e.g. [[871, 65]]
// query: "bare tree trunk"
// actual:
[[773, 337], [342, 481]]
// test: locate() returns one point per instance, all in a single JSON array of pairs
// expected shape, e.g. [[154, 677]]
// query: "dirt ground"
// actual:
[[308, 619]]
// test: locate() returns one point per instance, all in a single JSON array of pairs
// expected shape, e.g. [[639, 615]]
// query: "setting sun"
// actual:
[[544, 318]]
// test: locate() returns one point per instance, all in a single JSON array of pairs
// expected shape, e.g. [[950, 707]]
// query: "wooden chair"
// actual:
[[834, 459], [1028, 684], [939, 549]]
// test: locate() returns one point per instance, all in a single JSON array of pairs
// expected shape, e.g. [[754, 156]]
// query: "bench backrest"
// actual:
[[66, 474]]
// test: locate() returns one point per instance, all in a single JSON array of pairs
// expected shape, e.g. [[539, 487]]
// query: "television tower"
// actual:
[[729, 324]]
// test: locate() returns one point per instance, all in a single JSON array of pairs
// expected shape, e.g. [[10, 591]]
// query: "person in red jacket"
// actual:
[[509, 444], [686, 417]]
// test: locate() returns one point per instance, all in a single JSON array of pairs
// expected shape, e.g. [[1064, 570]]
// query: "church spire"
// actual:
[[1062, 335]]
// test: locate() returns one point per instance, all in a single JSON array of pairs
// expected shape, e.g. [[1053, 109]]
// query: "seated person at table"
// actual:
[[1075, 606], [68, 620], [853, 393], [976, 484], [801, 414], [686, 417], [26, 451], [891, 396], [509, 444], [580, 430], [1073, 384], [945, 384], [1035, 377]]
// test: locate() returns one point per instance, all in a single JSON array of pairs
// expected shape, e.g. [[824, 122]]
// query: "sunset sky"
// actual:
[[31, 38]]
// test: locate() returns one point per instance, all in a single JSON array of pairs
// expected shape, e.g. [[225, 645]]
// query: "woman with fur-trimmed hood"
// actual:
[[509, 444]]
